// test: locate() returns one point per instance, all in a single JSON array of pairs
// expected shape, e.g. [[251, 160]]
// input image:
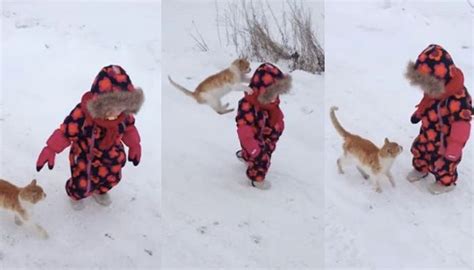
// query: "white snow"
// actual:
[[368, 48], [51, 54], [212, 217], [202, 213]]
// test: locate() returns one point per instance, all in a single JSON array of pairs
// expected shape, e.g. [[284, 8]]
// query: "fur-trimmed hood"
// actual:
[[268, 83], [435, 73], [431, 85], [113, 90], [279, 87]]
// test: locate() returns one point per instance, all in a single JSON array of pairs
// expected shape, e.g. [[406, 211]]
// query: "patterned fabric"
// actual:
[[93, 169], [97, 154], [266, 121], [267, 137], [111, 78], [429, 146], [441, 117], [436, 61]]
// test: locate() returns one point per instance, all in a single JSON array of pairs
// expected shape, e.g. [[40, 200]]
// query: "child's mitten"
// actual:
[[131, 138], [249, 143], [460, 132], [56, 143]]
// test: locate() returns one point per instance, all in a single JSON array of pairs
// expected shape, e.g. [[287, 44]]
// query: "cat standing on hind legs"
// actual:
[[20, 201], [372, 162]]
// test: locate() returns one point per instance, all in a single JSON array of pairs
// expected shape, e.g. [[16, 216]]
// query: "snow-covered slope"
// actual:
[[51, 53], [368, 48], [212, 217]]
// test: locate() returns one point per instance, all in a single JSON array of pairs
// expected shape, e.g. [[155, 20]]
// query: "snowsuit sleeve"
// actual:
[[72, 125], [67, 132], [131, 137]]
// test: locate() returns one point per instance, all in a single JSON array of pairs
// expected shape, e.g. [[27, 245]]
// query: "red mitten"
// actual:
[[131, 138], [56, 143], [459, 135], [247, 140], [47, 155]]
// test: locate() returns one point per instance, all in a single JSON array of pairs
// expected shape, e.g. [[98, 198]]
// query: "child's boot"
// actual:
[[239, 156], [415, 175], [437, 188], [263, 185], [77, 205], [102, 199]]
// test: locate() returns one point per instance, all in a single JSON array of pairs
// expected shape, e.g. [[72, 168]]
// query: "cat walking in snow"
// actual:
[[372, 162]]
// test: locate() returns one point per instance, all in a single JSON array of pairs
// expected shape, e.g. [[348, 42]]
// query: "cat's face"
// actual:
[[32, 193], [391, 149], [243, 65]]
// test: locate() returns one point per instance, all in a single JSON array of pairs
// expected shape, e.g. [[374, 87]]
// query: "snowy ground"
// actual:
[[51, 54], [366, 58], [211, 215]]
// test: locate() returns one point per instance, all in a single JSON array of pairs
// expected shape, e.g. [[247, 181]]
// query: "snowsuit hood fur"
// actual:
[[267, 83], [112, 89], [434, 71]]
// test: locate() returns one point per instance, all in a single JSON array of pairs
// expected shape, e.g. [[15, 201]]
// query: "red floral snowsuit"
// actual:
[[93, 169], [97, 154], [445, 120], [259, 126]]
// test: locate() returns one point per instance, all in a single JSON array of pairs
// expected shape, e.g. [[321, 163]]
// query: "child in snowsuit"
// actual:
[[260, 121], [445, 115], [95, 130]]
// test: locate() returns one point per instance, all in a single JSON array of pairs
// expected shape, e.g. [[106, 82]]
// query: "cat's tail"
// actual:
[[182, 88], [336, 123]]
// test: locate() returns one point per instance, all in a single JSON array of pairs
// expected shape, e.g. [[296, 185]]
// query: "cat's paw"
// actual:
[[44, 235], [378, 190], [42, 232], [18, 221]]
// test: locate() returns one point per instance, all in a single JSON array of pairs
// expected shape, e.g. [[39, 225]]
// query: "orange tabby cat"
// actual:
[[20, 201], [371, 161]]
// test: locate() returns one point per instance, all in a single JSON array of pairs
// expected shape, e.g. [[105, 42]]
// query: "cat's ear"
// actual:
[[33, 182], [387, 141]]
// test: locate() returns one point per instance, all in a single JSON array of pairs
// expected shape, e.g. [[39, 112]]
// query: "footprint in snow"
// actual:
[[202, 229], [256, 239], [306, 110], [26, 23], [243, 224]]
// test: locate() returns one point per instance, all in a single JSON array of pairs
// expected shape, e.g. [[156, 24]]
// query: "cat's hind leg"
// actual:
[[342, 163], [216, 104], [363, 173]]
